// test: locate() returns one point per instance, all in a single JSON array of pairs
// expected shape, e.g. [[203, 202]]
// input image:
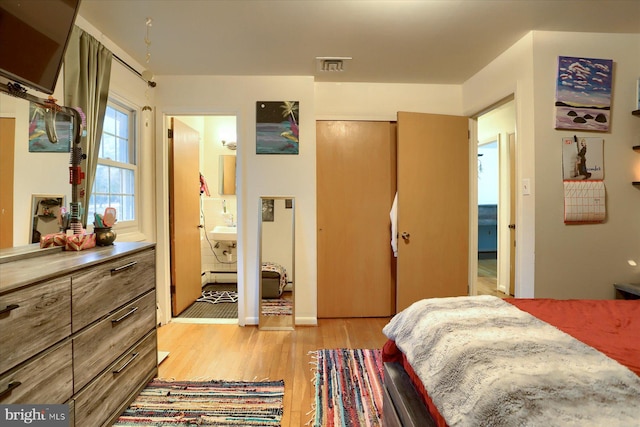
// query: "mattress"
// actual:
[[610, 326]]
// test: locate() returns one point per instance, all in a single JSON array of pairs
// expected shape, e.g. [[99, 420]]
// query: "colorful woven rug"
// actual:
[[211, 403], [277, 307], [348, 388]]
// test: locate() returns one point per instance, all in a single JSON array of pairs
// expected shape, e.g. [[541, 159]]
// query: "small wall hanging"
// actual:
[[584, 202], [277, 127], [583, 93], [582, 158], [583, 174]]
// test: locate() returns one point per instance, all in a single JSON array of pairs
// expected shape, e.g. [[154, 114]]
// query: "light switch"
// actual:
[[526, 186]]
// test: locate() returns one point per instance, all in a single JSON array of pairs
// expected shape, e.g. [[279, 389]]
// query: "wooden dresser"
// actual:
[[79, 328]]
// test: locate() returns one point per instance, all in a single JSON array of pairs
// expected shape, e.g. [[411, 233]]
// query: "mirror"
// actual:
[[276, 234], [33, 167], [227, 175], [46, 215]]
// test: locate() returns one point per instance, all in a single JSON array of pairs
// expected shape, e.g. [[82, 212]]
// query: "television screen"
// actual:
[[33, 39]]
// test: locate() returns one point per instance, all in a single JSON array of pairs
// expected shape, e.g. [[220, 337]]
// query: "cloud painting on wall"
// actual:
[[583, 93]]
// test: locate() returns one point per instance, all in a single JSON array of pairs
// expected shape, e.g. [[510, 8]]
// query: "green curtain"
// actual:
[[87, 73]]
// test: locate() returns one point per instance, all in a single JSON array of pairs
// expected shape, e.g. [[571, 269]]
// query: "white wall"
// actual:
[[562, 261], [567, 261], [583, 261], [382, 101], [512, 73], [272, 175]]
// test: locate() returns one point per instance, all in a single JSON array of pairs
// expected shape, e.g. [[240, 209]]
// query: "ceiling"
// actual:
[[394, 41]]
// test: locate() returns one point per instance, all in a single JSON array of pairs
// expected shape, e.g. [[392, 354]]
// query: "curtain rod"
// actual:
[[122, 61]]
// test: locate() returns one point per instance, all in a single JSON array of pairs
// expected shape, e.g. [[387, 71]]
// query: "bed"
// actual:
[[274, 279], [474, 361]]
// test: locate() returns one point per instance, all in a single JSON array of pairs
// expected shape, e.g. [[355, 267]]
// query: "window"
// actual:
[[116, 173]]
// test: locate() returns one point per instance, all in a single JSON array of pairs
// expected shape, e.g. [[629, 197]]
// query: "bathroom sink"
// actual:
[[224, 233]]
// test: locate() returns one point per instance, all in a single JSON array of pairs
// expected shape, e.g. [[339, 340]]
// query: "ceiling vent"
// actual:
[[328, 64]]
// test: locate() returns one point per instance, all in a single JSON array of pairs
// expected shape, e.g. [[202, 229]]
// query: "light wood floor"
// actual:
[[231, 352], [487, 278]]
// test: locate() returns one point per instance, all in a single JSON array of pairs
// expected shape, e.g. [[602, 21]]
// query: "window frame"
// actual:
[[131, 111]]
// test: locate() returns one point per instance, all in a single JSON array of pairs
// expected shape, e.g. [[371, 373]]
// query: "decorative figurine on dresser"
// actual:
[[78, 328]]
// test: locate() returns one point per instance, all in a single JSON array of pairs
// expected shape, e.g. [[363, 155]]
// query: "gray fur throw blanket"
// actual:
[[485, 362]]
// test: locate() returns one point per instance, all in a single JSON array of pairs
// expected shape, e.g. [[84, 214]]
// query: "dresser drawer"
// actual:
[[99, 290], [100, 344], [102, 398], [46, 379], [32, 319]]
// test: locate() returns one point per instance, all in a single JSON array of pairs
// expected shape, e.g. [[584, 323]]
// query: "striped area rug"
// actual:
[[210, 403], [277, 307], [348, 388]]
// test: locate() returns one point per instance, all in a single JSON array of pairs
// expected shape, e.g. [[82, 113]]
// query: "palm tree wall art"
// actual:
[[277, 127]]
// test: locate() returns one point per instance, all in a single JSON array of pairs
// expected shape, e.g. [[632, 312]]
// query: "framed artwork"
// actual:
[[583, 93], [38, 139], [277, 127]]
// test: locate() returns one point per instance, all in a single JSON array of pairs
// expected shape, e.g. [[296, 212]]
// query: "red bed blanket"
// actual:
[[610, 326]]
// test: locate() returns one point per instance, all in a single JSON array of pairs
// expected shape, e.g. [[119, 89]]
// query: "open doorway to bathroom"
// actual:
[[216, 298]]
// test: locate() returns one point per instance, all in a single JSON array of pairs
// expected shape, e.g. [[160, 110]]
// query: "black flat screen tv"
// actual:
[[33, 39]]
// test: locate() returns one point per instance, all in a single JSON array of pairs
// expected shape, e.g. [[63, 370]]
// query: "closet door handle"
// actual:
[[122, 268], [8, 308], [12, 385], [405, 235], [123, 367], [124, 316]]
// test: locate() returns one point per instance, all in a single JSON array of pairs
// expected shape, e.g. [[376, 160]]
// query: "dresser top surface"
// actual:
[[22, 272]]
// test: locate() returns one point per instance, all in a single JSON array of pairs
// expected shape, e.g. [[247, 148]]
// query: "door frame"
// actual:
[[163, 236], [505, 172], [473, 205]]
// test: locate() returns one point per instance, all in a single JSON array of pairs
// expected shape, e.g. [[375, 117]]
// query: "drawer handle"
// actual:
[[8, 309], [124, 267], [122, 368], [124, 316], [13, 385]]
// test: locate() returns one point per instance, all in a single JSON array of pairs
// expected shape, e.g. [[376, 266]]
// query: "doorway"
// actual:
[[496, 200], [212, 183]]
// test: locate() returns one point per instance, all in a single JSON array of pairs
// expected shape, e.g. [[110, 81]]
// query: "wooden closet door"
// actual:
[[433, 207], [355, 189]]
